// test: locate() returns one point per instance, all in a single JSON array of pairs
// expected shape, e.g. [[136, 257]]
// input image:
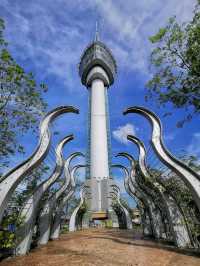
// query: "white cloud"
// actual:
[[35, 33], [51, 36], [169, 137], [121, 133], [132, 23], [194, 147]]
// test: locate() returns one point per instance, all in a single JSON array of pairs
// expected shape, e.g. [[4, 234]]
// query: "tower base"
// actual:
[[91, 219]]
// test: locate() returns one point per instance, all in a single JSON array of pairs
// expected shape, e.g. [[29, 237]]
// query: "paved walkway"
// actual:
[[103, 247]]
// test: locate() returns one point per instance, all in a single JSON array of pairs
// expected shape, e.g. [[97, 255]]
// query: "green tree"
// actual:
[[175, 63], [175, 186], [21, 102]]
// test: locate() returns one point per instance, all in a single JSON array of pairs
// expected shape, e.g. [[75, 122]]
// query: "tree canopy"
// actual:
[[21, 102], [175, 63]]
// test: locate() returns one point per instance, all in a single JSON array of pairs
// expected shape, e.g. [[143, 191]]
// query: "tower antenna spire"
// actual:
[[97, 32]]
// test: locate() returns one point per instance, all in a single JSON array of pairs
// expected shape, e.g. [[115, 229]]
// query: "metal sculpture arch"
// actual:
[[55, 229], [153, 193], [10, 180], [31, 205], [45, 217], [178, 229], [190, 177], [132, 186], [72, 222], [126, 213]]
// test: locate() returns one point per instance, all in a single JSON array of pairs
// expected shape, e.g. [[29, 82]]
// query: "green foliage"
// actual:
[[173, 184], [12, 217], [83, 208], [158, 37], [109, 223], [21, 102], [65, 229], [192, 161], [7, 236], [176, 66], [181, 193], [30, 182]]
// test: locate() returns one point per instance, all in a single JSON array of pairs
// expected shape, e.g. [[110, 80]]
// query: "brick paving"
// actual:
[[103, 247]]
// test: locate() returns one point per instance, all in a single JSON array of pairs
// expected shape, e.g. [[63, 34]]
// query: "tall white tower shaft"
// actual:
[[99, 167]]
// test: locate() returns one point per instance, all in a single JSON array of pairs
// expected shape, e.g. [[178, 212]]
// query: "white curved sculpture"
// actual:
[[128, 218], [157, 206], [138, 197], [45, 217], [151, 226], [31, 205], [145, 219], [127, 215], [178, 228], [131, 184], [10, 181], [72, 222], [190, 177], [56, 226]]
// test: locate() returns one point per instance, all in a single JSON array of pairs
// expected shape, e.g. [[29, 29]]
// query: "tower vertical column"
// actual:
[[99, 162], [99, 167]]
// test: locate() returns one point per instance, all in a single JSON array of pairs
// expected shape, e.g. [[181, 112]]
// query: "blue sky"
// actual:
[[48, 37]]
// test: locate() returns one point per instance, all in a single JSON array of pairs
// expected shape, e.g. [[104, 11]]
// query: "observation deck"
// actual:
[[97, 54]]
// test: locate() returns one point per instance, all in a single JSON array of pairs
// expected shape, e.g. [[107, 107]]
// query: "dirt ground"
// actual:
[[103, 247]]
